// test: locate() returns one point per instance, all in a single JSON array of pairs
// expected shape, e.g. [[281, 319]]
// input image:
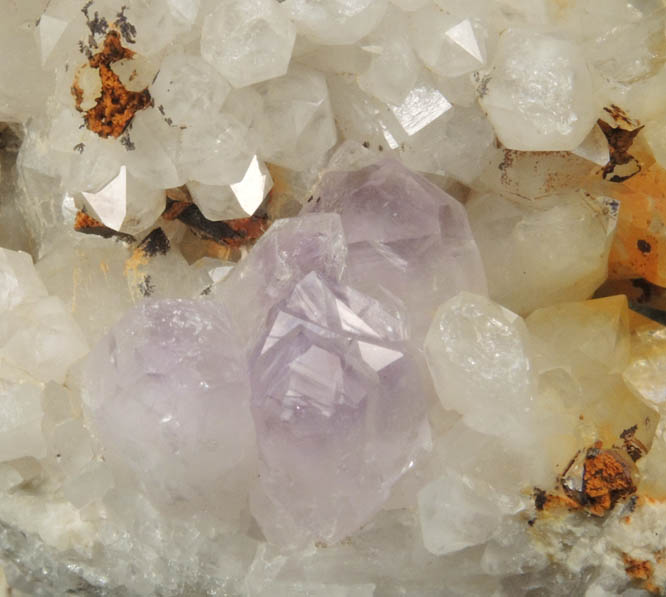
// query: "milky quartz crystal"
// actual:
[[186, 87], [450, 44], [296, 125], [248, 42], [337, 21], [539, 94], [406, 237], [339, 411], [476, 348], [557, 246], [171, 410]]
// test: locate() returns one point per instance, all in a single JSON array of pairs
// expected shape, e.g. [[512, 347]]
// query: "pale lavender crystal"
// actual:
[[290, 249], [339, 411], [167, 392], [406, 237]]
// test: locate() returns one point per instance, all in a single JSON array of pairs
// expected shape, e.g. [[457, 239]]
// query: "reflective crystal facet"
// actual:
[[338, 408]]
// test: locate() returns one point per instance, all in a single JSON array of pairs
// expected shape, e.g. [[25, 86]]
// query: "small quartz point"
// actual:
[[406, 237], [126, 203], [296, 126], [479, 358], [541, 252], [339, 412], [539, 94], [167, 393], [335, 22], [449, 44], [238, 200], [248, 42], [187, 87]]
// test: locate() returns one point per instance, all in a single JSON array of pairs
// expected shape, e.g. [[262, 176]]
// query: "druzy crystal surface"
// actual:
[[339, 411], [247, 347]]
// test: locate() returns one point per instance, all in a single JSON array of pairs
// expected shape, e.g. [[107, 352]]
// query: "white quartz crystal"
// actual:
[[479, 356], [215, 151], [539, 94], [337, 21], [394, 66], [248, 41], [18, 279], [542, 251], [296, 126], [454, 516], [187, 87], [449, 44], [126, 203]]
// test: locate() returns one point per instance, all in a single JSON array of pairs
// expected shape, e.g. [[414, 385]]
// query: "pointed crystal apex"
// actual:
[[50, 32], [110, 203], [463, 35], [254, 186]]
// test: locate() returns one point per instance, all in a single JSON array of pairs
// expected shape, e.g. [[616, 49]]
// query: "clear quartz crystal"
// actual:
[[216, 151], [447, 43], [337, 21], [187, 87]]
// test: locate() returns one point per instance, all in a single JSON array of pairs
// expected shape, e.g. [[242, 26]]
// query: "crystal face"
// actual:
[[406, 237], [339, 412], [539, 93], [248, 42], [170, 409]]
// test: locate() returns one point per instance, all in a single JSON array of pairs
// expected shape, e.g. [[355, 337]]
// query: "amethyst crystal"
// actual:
[[168, 394], [338, 408], [406, 237]]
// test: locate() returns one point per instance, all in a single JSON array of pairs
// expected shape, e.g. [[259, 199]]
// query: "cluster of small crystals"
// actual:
[[416, 382]]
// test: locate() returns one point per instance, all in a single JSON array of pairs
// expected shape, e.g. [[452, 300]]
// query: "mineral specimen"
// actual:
[[274, 221]]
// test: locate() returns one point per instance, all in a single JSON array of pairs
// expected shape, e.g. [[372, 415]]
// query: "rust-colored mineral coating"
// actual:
[[639, 246], [116, 106], [607, 478], [86, 224], [641, 571]]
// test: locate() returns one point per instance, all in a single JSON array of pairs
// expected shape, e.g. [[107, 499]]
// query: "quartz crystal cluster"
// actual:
[[336, 298]]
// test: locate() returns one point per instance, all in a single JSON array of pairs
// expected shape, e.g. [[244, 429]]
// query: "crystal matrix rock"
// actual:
[[170, 409], [339, 412], [406, 237]]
